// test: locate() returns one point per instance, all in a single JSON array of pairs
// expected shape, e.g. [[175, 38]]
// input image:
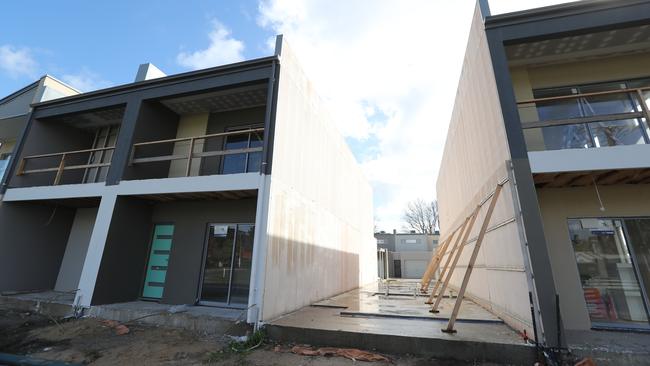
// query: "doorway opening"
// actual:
[[227, 263]]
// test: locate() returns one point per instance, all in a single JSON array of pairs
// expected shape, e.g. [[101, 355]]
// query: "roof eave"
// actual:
[[162, 80]]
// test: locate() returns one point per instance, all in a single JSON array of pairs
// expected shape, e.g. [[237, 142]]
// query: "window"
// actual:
[[410, 241], [245, 162], [380, 241], [593, 134], [613, 259]]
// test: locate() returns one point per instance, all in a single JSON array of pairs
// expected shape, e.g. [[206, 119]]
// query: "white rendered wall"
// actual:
[[320, 221]]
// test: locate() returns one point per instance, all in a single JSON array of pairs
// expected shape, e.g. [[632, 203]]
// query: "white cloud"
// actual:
[[86, 80], [390, 71], [223, 49], [17, 61]]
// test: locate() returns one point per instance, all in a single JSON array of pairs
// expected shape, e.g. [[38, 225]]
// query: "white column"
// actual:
[[258, 270], [95, 251]]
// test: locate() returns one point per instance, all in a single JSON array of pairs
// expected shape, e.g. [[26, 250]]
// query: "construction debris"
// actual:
[[120, 329], [350, 353]]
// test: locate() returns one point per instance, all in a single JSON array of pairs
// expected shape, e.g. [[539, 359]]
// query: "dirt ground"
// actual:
[[92, 341]]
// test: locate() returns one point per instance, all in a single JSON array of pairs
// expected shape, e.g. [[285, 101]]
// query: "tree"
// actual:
[[422, 216]]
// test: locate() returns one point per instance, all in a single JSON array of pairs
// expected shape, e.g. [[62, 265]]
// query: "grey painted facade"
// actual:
[[14, 114], [190, 219], [106, 256]]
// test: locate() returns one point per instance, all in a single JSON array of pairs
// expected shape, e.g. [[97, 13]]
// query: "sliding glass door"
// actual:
[[613, 261], [227, 265]]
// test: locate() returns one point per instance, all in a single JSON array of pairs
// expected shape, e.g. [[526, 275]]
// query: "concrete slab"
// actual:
[[204, 319], [405, 301], [52, 303], [208, 320], [610, 347], [401, 323]]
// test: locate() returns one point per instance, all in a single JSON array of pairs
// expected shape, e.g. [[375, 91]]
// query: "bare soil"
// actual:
[[91, 341]]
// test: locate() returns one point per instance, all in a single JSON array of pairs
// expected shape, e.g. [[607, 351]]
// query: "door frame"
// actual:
[[152, 231], [204, 258], [646, 302]]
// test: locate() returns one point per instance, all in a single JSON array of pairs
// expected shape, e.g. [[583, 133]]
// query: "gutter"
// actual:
[[172, 79]]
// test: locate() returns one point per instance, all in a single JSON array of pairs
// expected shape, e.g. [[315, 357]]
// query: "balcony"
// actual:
[[232, 152], [208, 133], [586, 120], [92, 164], [69, 149]]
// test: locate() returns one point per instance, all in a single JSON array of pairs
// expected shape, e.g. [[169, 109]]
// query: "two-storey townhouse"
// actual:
[[228, 187], [552, 105]]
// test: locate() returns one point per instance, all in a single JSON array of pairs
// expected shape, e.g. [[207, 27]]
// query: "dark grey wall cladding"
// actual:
[[32, 242], [389, 241], [190, 219], [123, 262], [219, 122], [155, 122], [51, 136]]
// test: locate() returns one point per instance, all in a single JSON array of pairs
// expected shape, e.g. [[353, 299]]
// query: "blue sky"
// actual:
[[388, 69], [109, 39]]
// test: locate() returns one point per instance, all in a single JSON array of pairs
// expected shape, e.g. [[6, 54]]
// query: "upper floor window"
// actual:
[[605, 114], [246, 162]]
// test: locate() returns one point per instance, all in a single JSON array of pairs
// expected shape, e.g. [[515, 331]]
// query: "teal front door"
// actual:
[[161, 246]]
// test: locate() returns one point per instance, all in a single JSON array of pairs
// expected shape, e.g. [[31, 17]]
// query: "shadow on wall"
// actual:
[[125, 253], [33, 238], [299, 274]]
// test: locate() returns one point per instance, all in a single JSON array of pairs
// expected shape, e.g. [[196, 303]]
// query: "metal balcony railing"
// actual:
[[191, 154], [588, 120]]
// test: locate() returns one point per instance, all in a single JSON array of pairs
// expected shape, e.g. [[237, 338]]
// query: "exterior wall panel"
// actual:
[[320, 229], [475, 159]]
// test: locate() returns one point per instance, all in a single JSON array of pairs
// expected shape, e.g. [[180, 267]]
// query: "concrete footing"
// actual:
[[469, 351], [40, 305], [206, 320]]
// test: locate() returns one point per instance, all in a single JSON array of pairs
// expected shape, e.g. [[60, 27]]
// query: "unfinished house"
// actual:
[[551, 122], [226, 187]]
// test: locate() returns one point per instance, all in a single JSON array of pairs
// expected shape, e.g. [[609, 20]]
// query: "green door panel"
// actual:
[[161, 245]]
